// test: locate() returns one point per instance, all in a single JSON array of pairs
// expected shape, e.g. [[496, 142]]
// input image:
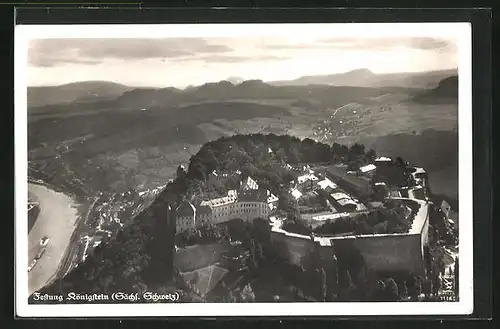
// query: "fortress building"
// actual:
[[250, 203], [222, 208]]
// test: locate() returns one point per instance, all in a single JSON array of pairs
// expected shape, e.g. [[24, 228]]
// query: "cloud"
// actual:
[[51, 62], [429, 43], [51, 52], [237, 59], [423, 43], [290, 46]]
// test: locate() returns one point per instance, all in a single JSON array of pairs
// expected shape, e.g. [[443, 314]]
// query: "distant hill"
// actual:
[[366, 78], [106, 95], [78, 91], [235, 80], [250, 90], [351, 78], [255, 90], [446, 91], [147, 97]]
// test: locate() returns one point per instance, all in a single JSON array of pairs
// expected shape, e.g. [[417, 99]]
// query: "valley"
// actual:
[[115, 148]]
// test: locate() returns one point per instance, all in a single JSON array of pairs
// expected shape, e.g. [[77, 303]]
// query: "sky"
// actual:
[[184, 61]]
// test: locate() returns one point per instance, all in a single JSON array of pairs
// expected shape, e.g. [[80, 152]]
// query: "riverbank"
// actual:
[[73, 188], [57, 219]]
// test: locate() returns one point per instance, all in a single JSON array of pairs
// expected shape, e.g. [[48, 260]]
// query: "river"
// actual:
[[57, 218]]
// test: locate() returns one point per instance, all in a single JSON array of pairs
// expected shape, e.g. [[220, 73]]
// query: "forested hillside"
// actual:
[[138, 258]]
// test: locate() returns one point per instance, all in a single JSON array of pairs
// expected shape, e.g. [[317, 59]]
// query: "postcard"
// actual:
[[301, 169]]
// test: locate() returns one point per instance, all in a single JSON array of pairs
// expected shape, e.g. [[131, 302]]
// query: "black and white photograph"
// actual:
[[302, 169]]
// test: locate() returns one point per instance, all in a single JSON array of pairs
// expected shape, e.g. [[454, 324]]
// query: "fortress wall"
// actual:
[[328, 261], [388, 253], [381, 253], [294, 249]]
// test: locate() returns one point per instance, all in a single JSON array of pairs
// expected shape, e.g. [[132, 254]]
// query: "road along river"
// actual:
[[57, 219]]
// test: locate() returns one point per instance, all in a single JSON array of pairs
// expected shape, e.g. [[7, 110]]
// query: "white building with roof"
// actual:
[[419, 175], [347, 202], [296, 194], [326, 183], [344, 201], [249, 184], [383, 159], [307, 181], [246, 205], [339, 196], [368, 170], [272, 200], [221, 207], [251, 204], [307, 177]]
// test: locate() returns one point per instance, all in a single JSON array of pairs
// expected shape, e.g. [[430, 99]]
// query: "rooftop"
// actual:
[[344, 202], [330, 216], [323, 241], [231, 197], [253, 196], [368, 168], [339, 196], [250, 184], [203, 210], [296, 193], [306, 177], [325, 183], [383, 159], [418, 170], [271, 198], [185, 209]]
